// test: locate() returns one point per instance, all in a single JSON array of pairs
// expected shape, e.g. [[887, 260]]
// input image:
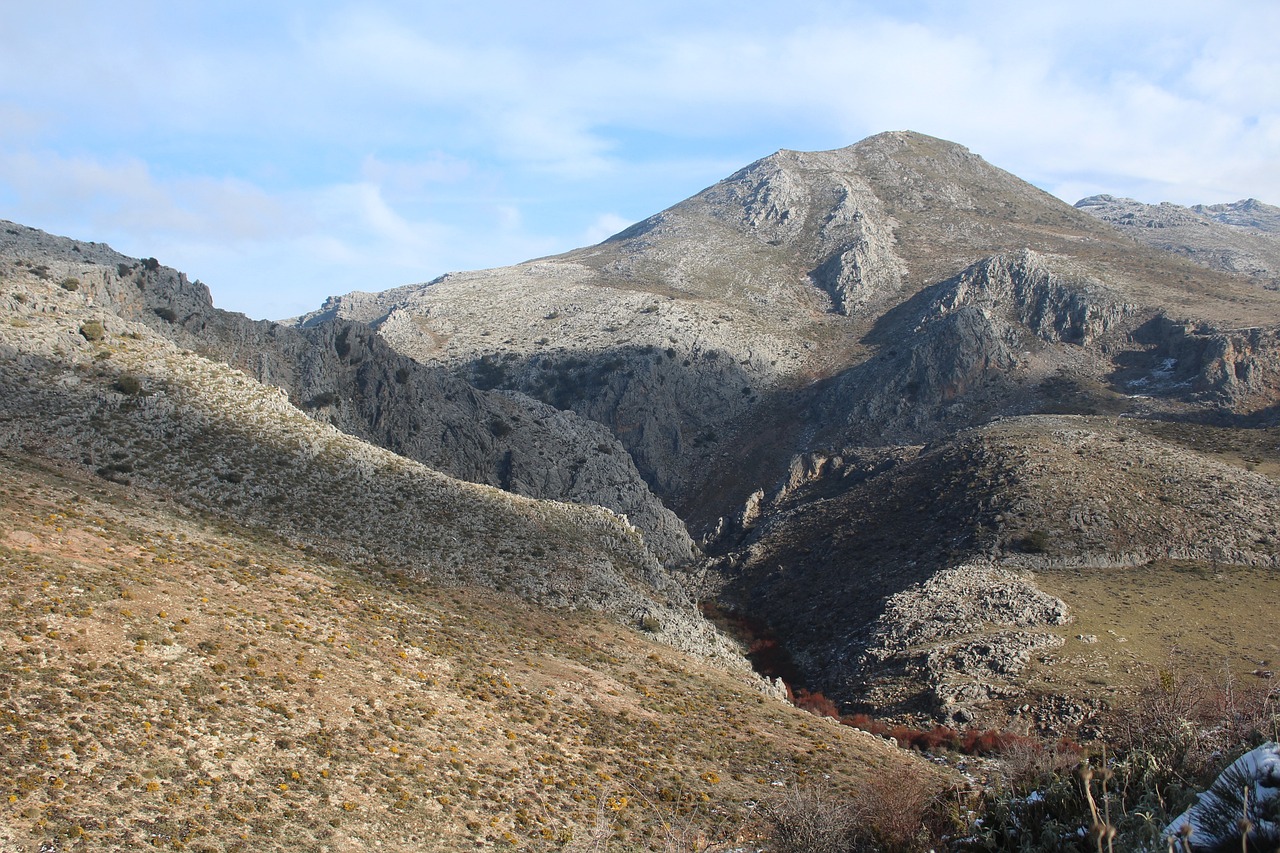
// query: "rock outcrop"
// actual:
[[842, 553], [345, 375], [1242, 237], [829, 216], [84, 386], [966, 633]]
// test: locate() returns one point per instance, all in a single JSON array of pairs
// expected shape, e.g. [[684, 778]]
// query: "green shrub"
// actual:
[[93, 330], [70, 283], [322, 400], [1035, 542], [127, 383]]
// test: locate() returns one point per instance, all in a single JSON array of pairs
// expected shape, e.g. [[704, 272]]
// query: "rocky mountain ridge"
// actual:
[[346, 376], [695, 335], [1241, 237], [851, 370], [85, 385], [848, 373]]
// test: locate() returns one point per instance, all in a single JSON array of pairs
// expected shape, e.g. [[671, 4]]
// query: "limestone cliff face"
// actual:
[[349, 377], [978, 344], [1233, 371], [1051, 301], [1243, 367], [830, 217]]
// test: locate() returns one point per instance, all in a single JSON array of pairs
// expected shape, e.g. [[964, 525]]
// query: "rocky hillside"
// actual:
[[931, 426], [173, 679], [1241, 237], [848, 556], [84, 385], [850, 371], [346, 376], [897, 289]]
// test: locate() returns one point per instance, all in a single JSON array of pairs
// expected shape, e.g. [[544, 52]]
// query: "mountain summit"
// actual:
[[933, 289], [837, 366], [953, 450]]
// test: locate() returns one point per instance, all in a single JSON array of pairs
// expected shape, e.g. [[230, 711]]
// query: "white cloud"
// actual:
[[261, 252], [125, 195], [346, 144], [404, 176], [604, 226]]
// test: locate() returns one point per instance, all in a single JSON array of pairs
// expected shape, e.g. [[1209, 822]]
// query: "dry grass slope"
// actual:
[[136, 408], [228, 627], [175, 680]]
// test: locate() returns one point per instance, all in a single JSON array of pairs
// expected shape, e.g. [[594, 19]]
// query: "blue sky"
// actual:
[[286, 151]]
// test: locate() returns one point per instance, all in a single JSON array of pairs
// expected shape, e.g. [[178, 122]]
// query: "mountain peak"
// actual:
[[892, 143]]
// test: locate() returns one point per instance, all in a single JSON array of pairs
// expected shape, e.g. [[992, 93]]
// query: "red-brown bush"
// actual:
[[815, 703]]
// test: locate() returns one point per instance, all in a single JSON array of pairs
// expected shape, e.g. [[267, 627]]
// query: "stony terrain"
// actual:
[[175, 680], [1241, 237], [837, 367], [964, 452], [87, 386], [829, 554], [346, 376], [229, 625], [968, 632]]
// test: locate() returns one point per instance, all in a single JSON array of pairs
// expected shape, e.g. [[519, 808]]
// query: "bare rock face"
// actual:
[[350, 378], [966, 633], [973, 346], [1249, 213], [86, 387], [1242, 237], [664, 374], [344, 375], [1056, 305], [830, 216], [1232, 370]]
